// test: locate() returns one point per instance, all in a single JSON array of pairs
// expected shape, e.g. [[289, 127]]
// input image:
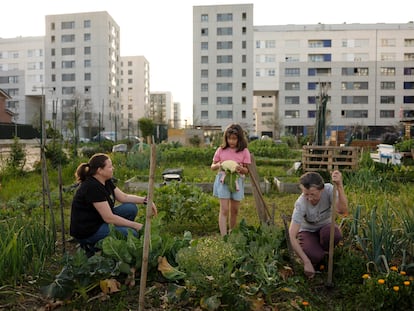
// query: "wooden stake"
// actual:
[[147, 233], [332, 238]]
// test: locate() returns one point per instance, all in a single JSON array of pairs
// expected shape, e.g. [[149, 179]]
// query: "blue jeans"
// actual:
[[125, 210]]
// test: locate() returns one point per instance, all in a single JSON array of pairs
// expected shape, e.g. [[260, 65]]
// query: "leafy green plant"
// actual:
[[187, 206], [25, 246]]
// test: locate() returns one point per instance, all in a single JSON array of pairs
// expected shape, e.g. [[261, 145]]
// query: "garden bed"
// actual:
[[286, 186], [137, 184]]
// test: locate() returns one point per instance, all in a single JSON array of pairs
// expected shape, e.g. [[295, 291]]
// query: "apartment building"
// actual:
[[82, 52], [135, 92], [223, 66], [22, 67], [367, 71]]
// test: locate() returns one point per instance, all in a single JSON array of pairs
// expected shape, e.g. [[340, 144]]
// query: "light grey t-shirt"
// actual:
[[313, 217]]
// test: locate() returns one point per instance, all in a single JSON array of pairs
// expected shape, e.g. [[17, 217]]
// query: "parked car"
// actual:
[[132, 138], [105, 136]]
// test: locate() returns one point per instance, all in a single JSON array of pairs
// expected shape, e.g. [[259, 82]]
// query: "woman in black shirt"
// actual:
[[93, 206]]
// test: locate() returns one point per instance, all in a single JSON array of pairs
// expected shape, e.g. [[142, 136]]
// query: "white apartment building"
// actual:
[[223, 66], [21, 67], [82, 53], [135, 92], [368, 70]]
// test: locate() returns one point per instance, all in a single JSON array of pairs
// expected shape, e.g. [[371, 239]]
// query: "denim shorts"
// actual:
[[222, 191]]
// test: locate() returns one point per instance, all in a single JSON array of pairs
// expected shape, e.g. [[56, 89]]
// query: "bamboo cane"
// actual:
[[332, 238], [147, 233]]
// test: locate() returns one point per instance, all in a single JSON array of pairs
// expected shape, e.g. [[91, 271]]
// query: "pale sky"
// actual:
[[161, 30]]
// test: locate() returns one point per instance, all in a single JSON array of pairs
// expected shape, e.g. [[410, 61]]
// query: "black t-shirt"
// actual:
[[85, 219]]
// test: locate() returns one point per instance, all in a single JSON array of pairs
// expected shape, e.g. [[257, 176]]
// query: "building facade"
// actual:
[[82, 53], [135, 92], [367, 71], [22, 63], [223, 66]]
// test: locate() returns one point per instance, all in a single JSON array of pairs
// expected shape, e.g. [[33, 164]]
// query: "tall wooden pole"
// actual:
[[147, 233]]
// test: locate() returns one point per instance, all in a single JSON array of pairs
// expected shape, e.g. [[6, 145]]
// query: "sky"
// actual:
[[161, 30]]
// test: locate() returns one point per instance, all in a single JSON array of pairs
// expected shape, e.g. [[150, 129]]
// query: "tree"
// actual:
[[146, 126]]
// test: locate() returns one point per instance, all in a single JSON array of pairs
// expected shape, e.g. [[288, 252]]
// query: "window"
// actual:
[[270, 44], [315, 85], [68, 64], [244, 16], [204, 45], [319, 71], [244, 72], [408, 85], [204, 73], [319, 43], [409, 56], [267, 105], [223, 87], [86, 37], [387, 100], [87, 63], [354, 100], [267, 114], [408, 99], [87, 50], [224, 45], [68, 90], [408, 71], [355, 71], [224, 72], [204, 87], [244, 58], [224, 59], [224, 17], [224, 100], [292, 100], [67, 38], [204, 17], [289, 86], [224, 114], [355, 43], [387, 42], [204, 114], [204, 100], [68, 77], [204, 31], [355, 57], [387, 56], [291, 58], [312, 114], [68, 51], [67, 25], [204, 59], [292, 72], [224, 31], [244, 44], [387, 113], [387, 85], [87, 23], [88, 76], [387, 71], [292, 114], [354, 113], [354, 85], [319, 57]]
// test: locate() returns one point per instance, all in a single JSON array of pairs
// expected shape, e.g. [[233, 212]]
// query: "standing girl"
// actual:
[[234, 147]]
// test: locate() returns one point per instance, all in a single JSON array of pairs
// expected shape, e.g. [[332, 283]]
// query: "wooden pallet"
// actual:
[[328, 158]]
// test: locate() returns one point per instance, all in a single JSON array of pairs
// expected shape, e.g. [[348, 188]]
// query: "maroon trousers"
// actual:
[[316, 244]]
